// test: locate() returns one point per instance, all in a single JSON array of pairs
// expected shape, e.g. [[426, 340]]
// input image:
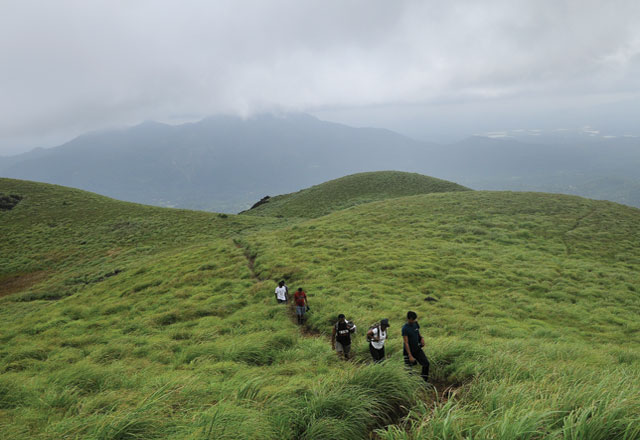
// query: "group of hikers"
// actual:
[[412, 345]]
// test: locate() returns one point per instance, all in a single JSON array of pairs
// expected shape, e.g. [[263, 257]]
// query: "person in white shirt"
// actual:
[[377, 336], [282, 293]]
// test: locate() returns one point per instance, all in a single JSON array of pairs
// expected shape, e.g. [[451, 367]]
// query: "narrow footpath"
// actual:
[[443, 391], [576, 225], [305, 329]]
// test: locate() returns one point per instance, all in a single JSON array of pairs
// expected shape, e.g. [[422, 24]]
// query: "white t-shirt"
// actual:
[[383, 336], [281, 293]]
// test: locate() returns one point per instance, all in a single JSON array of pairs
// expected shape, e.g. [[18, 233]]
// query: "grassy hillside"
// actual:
[[124, 321], [536, 312], [349, 191]]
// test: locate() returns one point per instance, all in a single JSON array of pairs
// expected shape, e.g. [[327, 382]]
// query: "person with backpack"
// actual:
[[412, 345], [377, 335], [341, 336], [300, 298], [282, 293]]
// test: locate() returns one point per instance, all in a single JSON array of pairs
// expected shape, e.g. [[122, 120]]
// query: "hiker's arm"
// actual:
[[408, 350], [370, 334], [421, 340]]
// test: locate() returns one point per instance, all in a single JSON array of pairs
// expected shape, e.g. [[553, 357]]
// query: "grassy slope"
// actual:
[[349, 191], [538, 299], [126, 321], [132, 320]]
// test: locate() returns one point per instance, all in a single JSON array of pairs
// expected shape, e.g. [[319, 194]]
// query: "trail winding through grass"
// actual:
[[441, 391]]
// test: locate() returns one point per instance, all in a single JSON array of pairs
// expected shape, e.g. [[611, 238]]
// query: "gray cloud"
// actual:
[[71, 66]]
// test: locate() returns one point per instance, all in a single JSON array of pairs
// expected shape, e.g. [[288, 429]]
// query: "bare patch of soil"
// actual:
[[114, 252], [445, 391], [18, 282]]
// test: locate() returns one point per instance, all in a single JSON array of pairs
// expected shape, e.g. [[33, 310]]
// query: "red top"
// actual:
[[300, 297]]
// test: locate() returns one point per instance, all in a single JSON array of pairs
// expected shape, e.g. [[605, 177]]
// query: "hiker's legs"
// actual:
[[347, 350], [406, 359], [339, 349], [377, 355], [300, 312], [374, 352], [422, 360]]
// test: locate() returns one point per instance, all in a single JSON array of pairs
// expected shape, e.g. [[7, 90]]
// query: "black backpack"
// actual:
[[350, 325]]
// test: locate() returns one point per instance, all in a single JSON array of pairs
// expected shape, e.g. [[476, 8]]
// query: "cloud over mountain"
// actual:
[[70, 66]]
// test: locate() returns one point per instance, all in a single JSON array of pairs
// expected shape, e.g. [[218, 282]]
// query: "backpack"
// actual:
[[350, 325], [371, 327]]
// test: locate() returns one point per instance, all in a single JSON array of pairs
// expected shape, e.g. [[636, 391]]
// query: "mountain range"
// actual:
[[226, 164]]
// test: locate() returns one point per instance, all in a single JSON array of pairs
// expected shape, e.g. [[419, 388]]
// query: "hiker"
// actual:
[[282, 293], [341, 336], [413, 343], [377, 335], [302, 305]]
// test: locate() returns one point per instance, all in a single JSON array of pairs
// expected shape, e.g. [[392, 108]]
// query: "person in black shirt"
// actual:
[[341, 336], [413, 343]]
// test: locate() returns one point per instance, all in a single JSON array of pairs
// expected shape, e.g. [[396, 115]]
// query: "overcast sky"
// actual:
[[431, 69]]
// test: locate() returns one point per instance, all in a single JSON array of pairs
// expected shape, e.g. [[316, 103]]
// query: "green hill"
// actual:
[[126, 321], [349, 191]]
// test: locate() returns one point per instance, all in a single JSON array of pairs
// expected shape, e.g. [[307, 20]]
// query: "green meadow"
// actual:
[[123, 321]]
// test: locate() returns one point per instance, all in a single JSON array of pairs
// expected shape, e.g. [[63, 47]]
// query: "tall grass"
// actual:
[[139, 322]]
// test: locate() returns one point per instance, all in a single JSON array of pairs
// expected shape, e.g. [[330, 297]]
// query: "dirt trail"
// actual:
[[443, 391], [576, 225], [305, 329], [251, 259]]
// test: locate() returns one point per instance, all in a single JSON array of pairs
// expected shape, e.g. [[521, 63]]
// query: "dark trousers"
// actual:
[[377, 355], [420, 358]]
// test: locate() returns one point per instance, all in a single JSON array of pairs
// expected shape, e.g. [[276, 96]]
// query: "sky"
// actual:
[[434, 70]]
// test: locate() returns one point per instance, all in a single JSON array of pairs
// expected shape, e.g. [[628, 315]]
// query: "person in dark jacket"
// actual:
[[412, 345]]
